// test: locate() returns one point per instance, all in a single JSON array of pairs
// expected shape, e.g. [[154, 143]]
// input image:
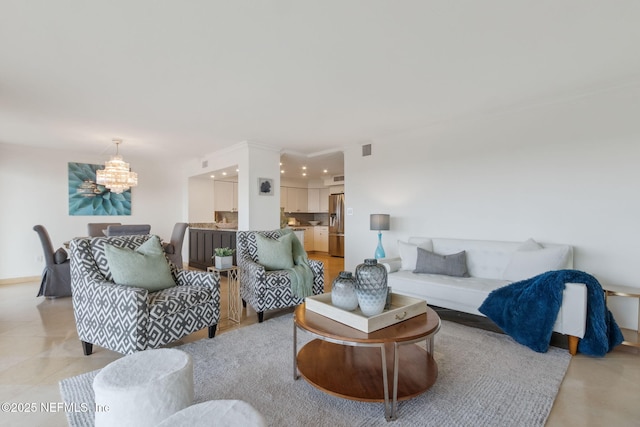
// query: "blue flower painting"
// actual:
[[86, 197]]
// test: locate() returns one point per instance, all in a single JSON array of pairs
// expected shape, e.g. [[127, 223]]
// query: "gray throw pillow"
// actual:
[[449, 265]]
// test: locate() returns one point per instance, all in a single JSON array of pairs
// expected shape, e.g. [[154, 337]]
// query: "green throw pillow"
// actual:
[[275, 254], [146, 267]]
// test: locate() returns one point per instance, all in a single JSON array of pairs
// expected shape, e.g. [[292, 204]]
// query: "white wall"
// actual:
[[562, 173], [201, 199], [33, 185]]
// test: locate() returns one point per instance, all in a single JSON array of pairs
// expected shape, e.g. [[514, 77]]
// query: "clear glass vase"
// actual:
[[343, 291], [371, 287]]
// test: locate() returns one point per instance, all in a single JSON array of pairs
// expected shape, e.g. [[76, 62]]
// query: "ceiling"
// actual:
[[182, 79]]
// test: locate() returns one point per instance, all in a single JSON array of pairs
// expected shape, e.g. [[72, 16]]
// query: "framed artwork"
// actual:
[[265, 186], [86, 197]]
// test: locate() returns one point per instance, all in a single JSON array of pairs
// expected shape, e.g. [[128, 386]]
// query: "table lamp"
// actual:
[[379, 222]]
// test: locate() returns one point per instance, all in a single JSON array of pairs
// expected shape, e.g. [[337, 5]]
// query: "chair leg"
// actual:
[[244, 303], [87, 347], [212, 331], [260, 316]]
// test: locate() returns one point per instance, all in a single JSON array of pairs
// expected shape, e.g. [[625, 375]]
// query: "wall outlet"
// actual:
[[349, 211]]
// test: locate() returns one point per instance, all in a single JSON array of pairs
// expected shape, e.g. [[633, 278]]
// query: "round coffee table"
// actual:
[[356, 365]]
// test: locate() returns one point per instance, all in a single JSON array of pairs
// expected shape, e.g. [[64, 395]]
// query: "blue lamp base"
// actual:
[[380, 250]]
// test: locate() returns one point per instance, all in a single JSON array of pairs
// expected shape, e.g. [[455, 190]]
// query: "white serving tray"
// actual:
[[402, 308]]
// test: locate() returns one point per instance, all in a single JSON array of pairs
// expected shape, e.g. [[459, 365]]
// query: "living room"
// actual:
[[556, 162]]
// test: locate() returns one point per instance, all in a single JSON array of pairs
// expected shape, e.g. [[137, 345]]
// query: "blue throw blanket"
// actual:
[[527, 310]]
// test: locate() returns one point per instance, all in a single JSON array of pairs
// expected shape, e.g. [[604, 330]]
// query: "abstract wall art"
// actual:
[[88, 198]]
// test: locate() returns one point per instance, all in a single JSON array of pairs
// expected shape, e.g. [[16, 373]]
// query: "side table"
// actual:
[[235, 310], [631, 337]]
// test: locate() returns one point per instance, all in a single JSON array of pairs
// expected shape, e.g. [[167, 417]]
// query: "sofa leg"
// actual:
[[87, 348], [260, 316], [212, 330], [573, 344]]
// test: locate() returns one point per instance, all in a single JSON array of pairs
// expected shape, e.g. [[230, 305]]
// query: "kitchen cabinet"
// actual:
[[284, 191], [225, 196], [321, 238], [318, 200], [313, 200], [202, 242], [297, 200], [324, 199], [309, 239]]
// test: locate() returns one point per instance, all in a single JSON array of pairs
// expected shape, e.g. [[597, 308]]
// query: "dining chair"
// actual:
[[56, 276]]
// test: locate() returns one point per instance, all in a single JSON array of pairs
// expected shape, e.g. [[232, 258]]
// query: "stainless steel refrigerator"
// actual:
[[336, 225]]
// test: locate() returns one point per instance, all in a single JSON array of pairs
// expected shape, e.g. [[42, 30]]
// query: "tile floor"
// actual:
[[39, 347]]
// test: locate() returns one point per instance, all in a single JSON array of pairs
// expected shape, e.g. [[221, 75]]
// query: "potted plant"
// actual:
[[223, 257]]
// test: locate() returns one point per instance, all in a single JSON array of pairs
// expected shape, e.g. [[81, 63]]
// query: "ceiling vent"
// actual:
[[366, 150], [205, 163], [334, 180]]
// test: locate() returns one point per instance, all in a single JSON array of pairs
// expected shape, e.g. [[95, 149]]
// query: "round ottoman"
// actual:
[[219, 413], [144, 388]]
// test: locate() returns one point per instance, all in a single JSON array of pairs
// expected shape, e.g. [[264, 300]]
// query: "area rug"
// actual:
[[484, 379]]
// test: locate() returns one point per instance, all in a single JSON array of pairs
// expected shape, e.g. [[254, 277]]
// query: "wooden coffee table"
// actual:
[[356, 365]]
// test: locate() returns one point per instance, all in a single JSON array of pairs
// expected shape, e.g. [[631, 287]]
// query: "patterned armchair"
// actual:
[[263, 289], [128, 319]]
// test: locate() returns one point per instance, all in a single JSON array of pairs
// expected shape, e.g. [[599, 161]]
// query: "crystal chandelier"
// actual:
[[117, 175]]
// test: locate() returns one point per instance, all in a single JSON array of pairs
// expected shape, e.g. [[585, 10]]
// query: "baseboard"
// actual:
[[14, 280]]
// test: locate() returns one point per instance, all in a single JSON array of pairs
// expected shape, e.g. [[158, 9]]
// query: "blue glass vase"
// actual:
[[371, 287]]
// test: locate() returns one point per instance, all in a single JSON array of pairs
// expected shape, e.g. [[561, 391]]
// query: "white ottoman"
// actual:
[[219, 413], [144, 388]]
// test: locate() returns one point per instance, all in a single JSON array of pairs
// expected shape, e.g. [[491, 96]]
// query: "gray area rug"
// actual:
[[484, 379]]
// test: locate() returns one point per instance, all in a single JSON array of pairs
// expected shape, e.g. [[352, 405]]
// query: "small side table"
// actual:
[[235, 310], [631, 337]]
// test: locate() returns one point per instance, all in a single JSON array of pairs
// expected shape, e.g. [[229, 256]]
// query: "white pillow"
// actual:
[[409, 253], [525, 264]]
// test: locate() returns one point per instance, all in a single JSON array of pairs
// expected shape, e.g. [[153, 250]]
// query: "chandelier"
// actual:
[[117, 175]]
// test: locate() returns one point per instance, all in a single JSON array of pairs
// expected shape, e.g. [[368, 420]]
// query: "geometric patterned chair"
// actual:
[[129, 319], [263, 289]]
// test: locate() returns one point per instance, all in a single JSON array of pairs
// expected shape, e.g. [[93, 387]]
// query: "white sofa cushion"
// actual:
[[528, 263]]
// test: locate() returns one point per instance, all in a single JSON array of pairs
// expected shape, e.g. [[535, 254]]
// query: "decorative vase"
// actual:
[[343, 291], [223, 262], [371, 287]]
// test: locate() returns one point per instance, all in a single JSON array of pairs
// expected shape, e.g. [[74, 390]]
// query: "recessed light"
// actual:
[[304, 168], [282, 171], [304, 174], [237, 170], [212, 176], [224, 173], [325, 171]]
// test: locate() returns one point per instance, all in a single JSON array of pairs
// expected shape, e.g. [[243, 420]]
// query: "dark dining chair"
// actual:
[[128, 230], [173, 248], [98, 229], [56, 277]]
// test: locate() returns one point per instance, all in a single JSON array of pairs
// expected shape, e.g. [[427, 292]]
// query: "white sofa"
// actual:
[[491, 265]]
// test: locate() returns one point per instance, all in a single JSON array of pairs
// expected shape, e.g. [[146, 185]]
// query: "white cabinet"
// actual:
[[309, 239], [313, 204], [283, 198], [296, 200], [324, 200], [321, 238], [318, 200], [225, 196]]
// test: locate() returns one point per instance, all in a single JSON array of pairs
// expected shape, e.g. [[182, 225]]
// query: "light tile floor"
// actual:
[[39, 347]]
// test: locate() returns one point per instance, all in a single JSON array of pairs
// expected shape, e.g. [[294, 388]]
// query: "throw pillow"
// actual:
[[449, 265], [60, 256], [529, 263], [530, 245], [409, 253], [145, 267], [275, 254]]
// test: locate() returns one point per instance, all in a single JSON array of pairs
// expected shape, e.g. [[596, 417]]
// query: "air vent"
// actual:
[[339, 178], [366, 150], [205, 163]]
